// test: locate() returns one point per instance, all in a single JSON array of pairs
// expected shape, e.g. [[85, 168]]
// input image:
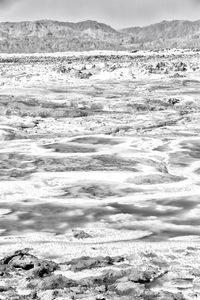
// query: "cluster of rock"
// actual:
[[170, 66], [24, 276]]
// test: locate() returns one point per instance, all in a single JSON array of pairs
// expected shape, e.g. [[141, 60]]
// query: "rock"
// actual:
[[23, 260], [129, 288], [85, 262], [55, 282], [173, 100], [7, 259], [180, 66], [44, 268], [80, 234], [169, 296], [177, 75], [145, 275], [4, 288], [3, 270], [107, 279], [95, 281]]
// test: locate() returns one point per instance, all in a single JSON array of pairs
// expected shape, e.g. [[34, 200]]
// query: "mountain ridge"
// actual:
[[54, 36]]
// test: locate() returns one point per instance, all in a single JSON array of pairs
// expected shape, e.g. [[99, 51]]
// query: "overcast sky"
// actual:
[[117, 13]]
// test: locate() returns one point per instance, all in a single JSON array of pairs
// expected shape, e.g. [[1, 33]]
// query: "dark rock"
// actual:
[[173, 101], [80, 234], [4, 289], [85, 262], [107, 279], [55, 282], [82, 75], [34, 295], [44, 268], [145, 275], [23, 260], [7, 259], [180, 66]]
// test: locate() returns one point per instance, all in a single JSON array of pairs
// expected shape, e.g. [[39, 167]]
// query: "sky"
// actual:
[[117, 13]]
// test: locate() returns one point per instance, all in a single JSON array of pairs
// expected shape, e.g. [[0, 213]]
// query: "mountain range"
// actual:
[[54, 36]]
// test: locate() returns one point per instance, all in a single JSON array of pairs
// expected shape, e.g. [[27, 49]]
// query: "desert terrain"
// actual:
[[99, 175]]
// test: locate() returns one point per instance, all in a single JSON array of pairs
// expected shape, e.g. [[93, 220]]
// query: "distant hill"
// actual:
[[52, 36], [178, 34]]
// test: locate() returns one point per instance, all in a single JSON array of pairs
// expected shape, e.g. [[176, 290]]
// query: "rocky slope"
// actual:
[[54, 36]]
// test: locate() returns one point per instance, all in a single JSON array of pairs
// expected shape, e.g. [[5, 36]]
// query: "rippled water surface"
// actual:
[[119, 152]]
